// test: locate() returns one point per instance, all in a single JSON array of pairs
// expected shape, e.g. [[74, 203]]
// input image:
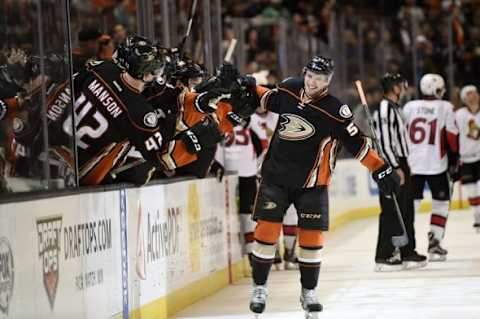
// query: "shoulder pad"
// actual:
[[336, 108]]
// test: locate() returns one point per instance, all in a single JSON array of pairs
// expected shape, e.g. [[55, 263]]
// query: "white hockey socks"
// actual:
[[439, 218]]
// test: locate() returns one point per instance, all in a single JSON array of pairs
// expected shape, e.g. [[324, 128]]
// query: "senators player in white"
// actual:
[[432, 134], [468, 122], [240, 156]]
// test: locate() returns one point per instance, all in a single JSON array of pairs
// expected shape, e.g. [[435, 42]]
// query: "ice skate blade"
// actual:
[[288, 265], [436, 258], [387, 268], [409, 265], [311, 315]]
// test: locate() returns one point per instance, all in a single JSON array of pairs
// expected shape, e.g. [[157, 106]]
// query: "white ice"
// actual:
[[349, 289]]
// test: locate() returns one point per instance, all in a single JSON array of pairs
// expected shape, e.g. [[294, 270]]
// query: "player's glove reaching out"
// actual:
[[388, 181]]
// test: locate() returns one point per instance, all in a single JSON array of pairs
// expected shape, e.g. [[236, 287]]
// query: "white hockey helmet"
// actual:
[[432, 85], [465, 90]]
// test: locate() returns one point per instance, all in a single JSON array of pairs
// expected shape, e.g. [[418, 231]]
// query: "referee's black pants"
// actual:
[[389, 224]]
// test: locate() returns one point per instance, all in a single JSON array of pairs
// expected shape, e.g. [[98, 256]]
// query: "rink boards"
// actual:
[[147, 252], [140, 252]]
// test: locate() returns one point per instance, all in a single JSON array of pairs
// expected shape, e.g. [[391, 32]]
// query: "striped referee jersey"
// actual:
[[391, 132]]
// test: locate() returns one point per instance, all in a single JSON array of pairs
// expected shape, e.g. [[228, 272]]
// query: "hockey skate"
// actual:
[[435, 251], [414, 261], [259, 299], [393, 263], [476, 226], [310, 304], [290, 259]]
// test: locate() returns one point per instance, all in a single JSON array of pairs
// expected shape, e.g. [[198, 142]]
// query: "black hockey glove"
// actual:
[[237, 120], [203, 135], [245, 102], [454, 167], [388, 181], [217, 170], [228, 75]]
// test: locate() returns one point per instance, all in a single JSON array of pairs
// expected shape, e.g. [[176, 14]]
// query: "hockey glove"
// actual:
[[453, 167], [245, 102], [217, 170], [388, 181], [203, 135], [228, 75]]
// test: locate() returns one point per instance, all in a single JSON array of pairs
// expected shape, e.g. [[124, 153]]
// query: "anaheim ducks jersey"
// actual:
[[240, 154], [112, 116], [469, 130], [430, 126], [303, 148]]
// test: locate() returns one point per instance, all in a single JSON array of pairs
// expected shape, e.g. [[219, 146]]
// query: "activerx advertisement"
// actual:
[[67, 251], [177, 235]]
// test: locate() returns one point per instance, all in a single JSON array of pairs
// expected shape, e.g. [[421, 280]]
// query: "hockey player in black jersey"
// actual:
[[297, 169]]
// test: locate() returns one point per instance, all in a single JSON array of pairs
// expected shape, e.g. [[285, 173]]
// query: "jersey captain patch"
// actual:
[[295, 128]]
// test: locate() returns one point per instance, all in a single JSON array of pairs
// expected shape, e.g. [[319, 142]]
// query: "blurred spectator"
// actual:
[[119, 34], [89, 47]]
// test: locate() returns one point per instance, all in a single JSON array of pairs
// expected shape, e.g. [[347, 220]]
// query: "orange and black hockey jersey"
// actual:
[[111, 117], [174, 153], [303, 149]]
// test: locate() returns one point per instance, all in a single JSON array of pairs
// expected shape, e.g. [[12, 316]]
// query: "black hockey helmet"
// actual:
[[138, 56], [389, 80], [320, 64], [188, 70]]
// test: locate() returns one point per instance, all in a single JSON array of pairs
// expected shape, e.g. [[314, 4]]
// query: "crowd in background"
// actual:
[[373, 37]]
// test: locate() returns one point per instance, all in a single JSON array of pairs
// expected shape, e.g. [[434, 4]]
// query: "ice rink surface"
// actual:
[[349, 289]]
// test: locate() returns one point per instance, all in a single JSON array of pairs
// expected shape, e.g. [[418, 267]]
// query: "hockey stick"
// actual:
[[231, 48], [191, 14], [401, 240]]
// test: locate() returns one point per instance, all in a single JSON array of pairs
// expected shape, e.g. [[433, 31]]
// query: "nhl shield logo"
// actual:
[[7, 275], [49, 230]]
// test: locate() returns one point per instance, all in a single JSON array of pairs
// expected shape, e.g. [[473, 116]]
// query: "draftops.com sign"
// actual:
[[70, 258]]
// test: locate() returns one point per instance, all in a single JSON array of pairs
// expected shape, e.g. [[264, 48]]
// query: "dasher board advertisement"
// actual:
[[60, 257], [178, 235]]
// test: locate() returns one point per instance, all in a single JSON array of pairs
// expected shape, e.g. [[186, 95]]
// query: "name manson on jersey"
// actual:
[[104, 97]]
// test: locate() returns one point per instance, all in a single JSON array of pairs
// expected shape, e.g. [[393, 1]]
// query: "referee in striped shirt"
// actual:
[[392, 135]]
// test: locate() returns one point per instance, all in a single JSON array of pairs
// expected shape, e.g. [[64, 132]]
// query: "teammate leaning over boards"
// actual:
[[393, 142], [297, 169], [431, 127], [468, 122]]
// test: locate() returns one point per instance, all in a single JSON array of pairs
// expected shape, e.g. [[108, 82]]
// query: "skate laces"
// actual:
[[259, 294], [309, 296]]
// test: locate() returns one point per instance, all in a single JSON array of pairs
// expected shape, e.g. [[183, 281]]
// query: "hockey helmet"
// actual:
[[138, 56], [320, 65], [465, 90], [189, 70], [389, 80], [432, 85]]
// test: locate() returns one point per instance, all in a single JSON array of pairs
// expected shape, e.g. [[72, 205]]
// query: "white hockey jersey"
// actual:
[[239, 152], [469, 129], [264, 126], [430, 126]]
